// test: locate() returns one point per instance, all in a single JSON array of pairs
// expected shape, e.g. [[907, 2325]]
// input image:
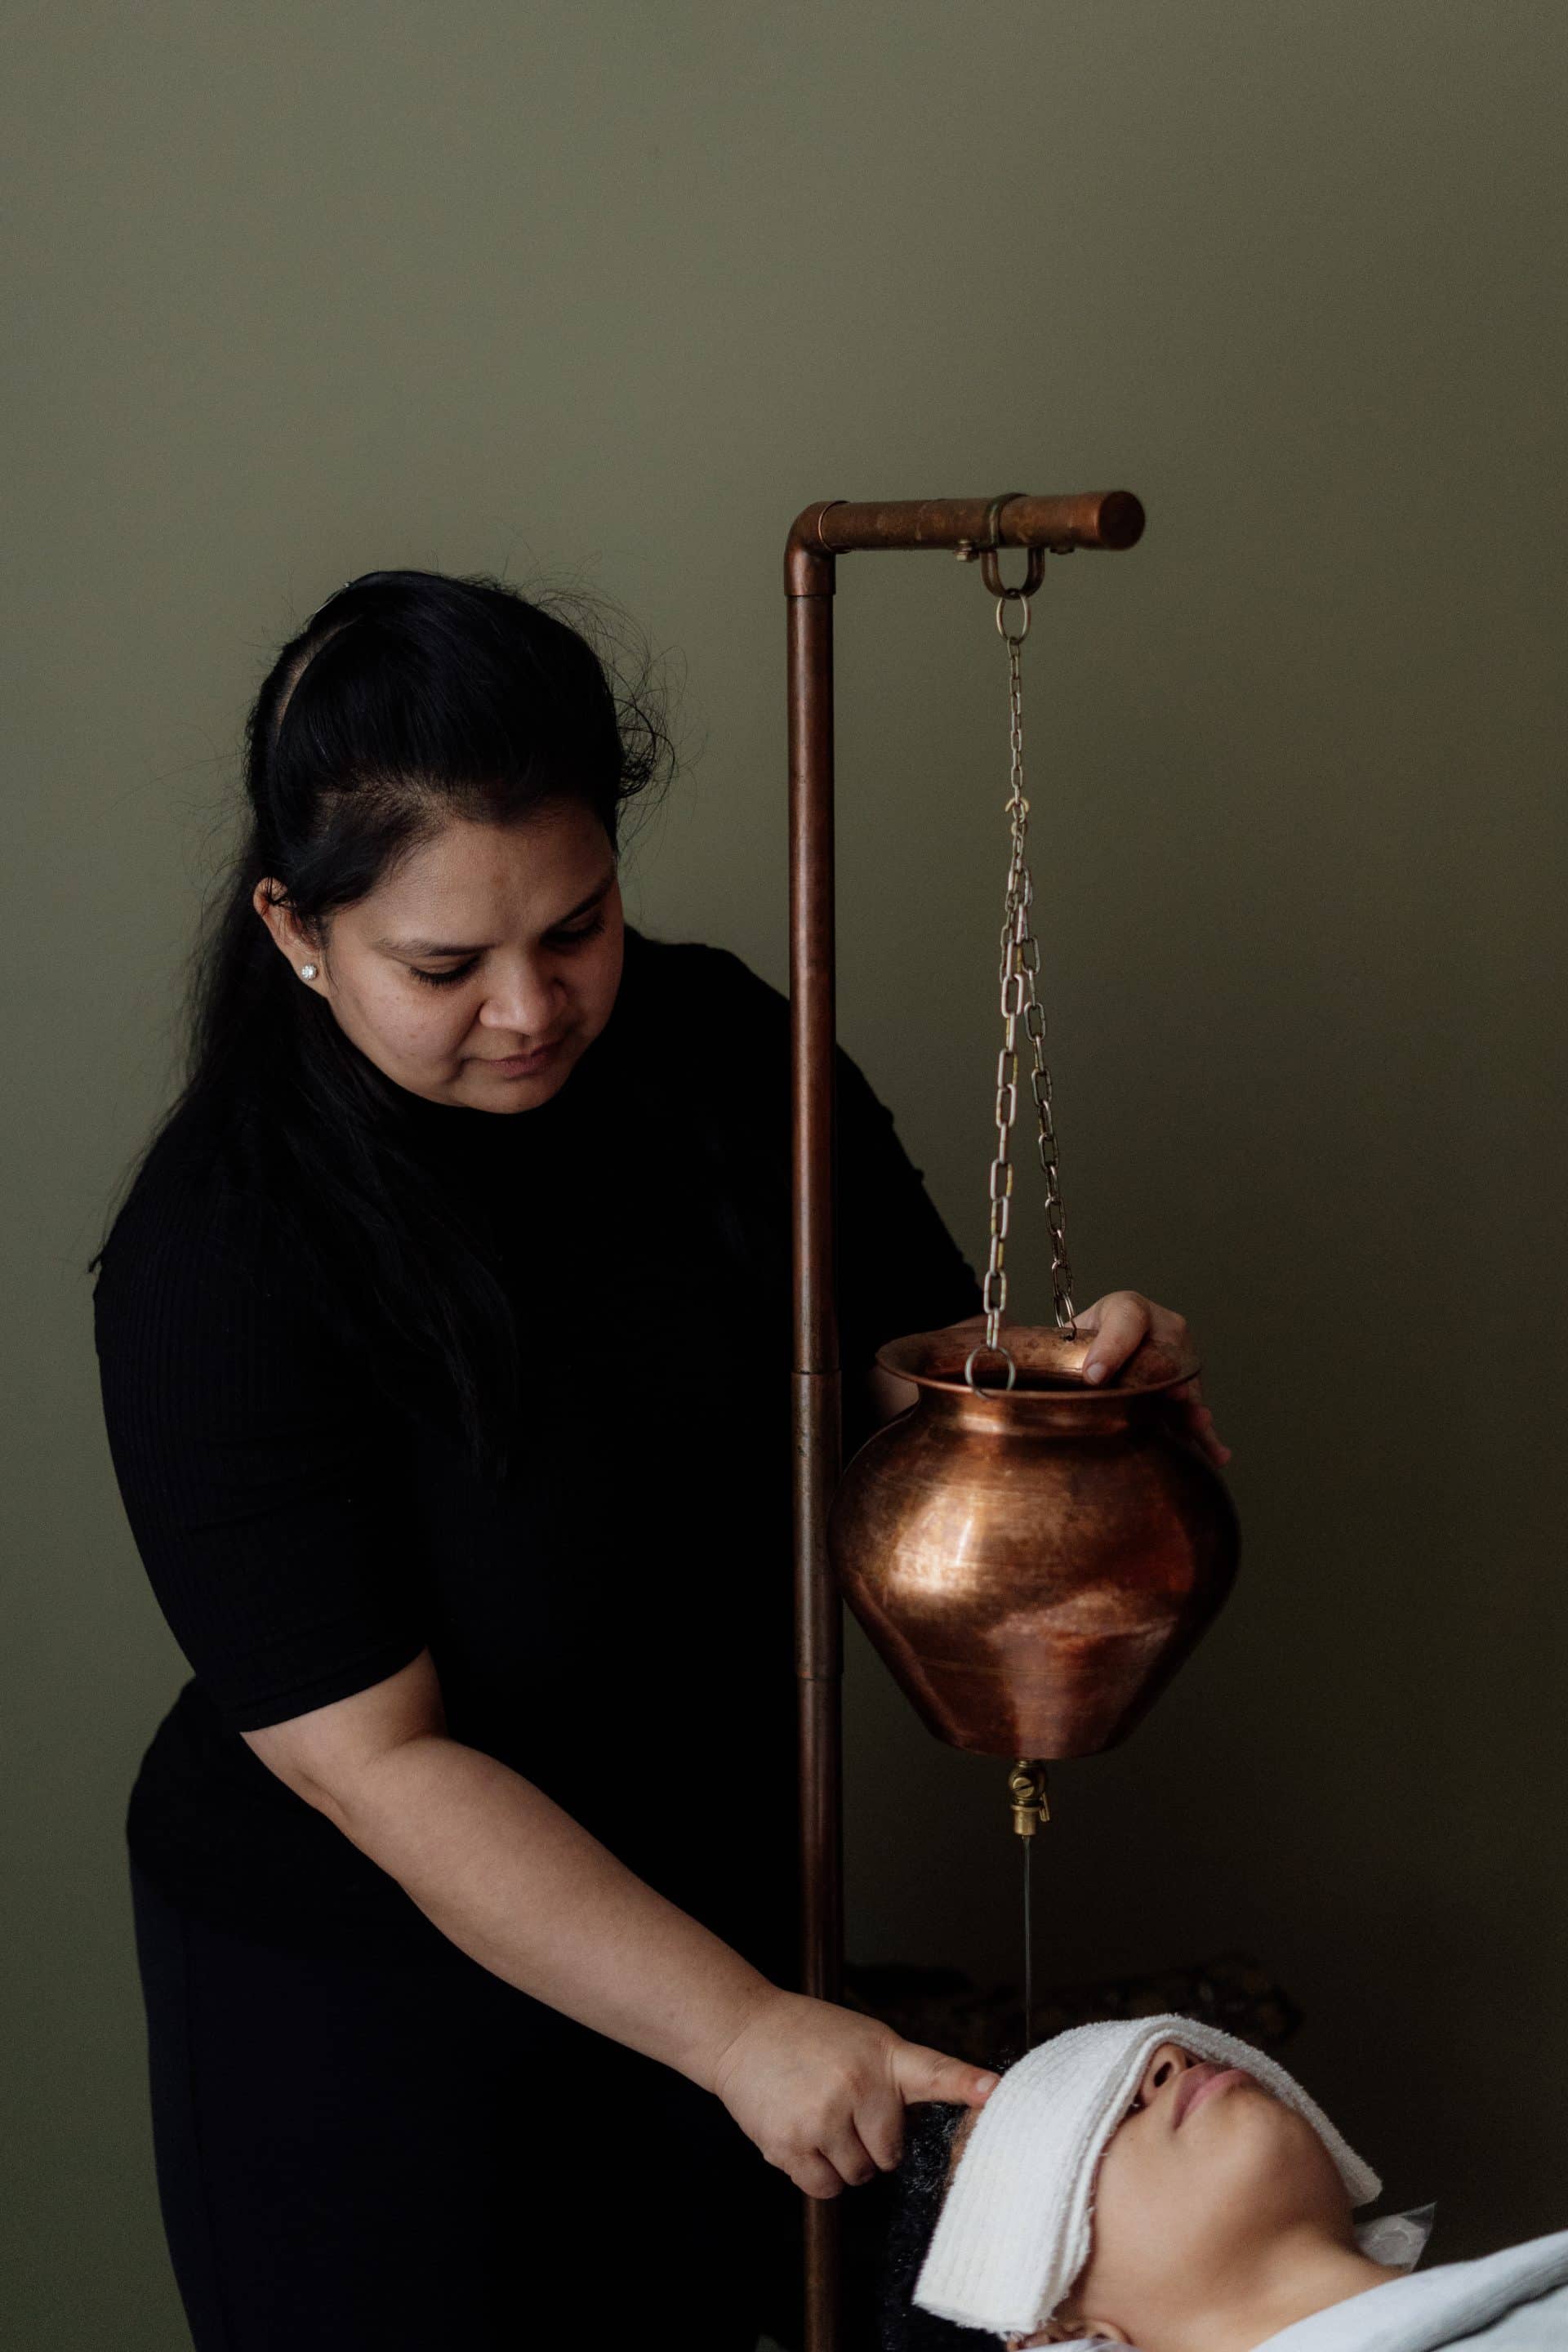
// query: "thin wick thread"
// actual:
[[1029, 1846]]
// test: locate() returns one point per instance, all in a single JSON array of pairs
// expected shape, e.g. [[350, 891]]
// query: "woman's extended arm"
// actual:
[[512, 1879]]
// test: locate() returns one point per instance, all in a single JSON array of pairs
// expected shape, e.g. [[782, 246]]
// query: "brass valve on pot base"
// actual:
[[1027, 1794]]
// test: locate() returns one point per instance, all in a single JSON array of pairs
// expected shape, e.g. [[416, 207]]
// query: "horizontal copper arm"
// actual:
[[1104, 519]]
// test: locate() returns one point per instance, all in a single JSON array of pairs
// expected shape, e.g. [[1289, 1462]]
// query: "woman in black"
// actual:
[[456, 1444]]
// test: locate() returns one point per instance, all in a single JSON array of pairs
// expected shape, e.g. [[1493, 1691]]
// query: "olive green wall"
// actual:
[[608, 293]]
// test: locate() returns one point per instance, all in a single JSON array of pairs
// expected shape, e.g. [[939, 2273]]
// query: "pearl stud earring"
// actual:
[[307, 972]]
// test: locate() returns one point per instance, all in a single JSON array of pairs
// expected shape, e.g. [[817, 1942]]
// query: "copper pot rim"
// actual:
[[935, 1359]]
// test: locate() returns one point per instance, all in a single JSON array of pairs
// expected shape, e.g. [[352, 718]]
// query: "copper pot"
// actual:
[[1032, 1563]]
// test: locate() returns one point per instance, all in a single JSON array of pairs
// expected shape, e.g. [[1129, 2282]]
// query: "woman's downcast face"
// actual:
[[482, 968]]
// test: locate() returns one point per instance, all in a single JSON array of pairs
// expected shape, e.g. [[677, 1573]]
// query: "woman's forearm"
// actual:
[[522, 1888]]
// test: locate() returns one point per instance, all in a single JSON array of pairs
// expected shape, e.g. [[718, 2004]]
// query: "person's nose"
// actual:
[[524, 998], [1167, 2059]]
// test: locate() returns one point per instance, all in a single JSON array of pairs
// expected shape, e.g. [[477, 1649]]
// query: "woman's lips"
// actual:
[[518, 1065], [1197, 2084]]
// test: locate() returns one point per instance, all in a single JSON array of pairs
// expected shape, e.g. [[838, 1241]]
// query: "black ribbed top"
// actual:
[[611, 1616]]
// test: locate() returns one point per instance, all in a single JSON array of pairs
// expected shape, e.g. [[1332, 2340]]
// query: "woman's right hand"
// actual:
[[822, 2090]]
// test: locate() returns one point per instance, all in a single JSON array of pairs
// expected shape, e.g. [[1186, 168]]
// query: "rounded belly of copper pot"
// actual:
[[1032, 1590]]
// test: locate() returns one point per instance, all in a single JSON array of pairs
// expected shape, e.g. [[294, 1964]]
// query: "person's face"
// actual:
[[481, 969], [1203, 2171]]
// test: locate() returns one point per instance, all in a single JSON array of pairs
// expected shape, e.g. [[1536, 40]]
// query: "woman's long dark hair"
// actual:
[[408, 699]]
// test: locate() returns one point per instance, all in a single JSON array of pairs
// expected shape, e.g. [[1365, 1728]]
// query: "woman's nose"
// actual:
[[1166, 2061], [522, 999]]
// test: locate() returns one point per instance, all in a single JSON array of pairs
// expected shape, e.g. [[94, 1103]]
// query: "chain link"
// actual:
[[1020, 964]]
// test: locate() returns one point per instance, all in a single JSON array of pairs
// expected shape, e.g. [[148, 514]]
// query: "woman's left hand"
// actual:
[[1120, 1324]]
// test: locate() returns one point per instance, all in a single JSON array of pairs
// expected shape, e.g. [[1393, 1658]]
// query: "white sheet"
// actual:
[[1515, 2301]]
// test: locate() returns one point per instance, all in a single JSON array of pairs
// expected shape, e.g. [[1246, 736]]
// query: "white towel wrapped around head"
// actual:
[[1014, 2230]]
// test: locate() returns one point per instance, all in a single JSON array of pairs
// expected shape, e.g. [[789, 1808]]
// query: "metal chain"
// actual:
[[1020, 964]]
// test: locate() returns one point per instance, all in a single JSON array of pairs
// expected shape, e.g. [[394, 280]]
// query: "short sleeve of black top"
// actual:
[[248, 1474], [303, 1544]]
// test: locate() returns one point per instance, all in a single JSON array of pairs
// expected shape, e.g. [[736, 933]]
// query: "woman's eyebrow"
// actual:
[[444, 948]]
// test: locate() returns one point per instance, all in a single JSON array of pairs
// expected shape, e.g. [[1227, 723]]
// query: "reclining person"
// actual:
[[1160, 2184]]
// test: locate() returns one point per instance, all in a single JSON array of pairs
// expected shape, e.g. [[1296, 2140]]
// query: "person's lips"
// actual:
[[536, 1059], [1197, 2084]]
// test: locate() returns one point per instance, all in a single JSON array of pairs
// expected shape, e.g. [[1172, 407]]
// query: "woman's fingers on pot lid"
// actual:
[[1117, 1323]]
